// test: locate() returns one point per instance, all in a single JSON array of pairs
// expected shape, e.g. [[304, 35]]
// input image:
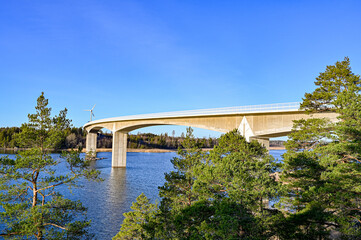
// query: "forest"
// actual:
[[74, 138], [238, 191]]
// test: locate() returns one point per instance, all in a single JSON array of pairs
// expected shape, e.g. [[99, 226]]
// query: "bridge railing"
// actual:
[[292, 106]]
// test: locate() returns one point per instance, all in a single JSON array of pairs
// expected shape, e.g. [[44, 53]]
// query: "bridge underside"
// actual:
[[257, 126]]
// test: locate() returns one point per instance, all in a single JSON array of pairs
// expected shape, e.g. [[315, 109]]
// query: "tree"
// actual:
[[71, 141], [216, 219], [133, 224], [161, 223], [238, 169], [322, 165], [32, 206], [177, 192], [173, 134], [7, 136], [179, 183], [239, 175], [216, 195]]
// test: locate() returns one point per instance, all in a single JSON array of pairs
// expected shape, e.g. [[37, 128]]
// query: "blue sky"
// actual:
[[134, 57]]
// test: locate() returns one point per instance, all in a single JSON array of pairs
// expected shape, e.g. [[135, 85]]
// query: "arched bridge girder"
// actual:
[[139, 126], [128, 126], [213, 123], [97, 127], [260, 126]]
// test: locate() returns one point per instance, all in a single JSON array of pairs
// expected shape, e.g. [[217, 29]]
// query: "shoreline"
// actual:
[[153, 150], [159, 150], [277, 148]]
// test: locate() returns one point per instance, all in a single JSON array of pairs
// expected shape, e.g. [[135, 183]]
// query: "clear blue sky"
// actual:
[[134, 57]]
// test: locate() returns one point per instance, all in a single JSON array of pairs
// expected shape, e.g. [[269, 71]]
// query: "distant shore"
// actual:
[[158, 150], [153, 150], [277, 148]]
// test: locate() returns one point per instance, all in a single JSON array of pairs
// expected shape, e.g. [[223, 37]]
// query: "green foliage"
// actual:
[[216, 195], [7, 139], [71, 138], [221, 194], [74, 138], [134, 222], [179, 183], [43, 131], [241, 174], [239, 170], [177, 192], [163, 141], [333, 84], [31, 205], [322, 165]]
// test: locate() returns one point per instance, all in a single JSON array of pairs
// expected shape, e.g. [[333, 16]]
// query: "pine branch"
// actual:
[[9, 234], [55, 225], [356, 219], [57, 184]]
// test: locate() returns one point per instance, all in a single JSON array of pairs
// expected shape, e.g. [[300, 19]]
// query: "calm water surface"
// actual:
[[108, 200]]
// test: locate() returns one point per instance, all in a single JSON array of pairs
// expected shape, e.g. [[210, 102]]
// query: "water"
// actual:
[[108, 200]]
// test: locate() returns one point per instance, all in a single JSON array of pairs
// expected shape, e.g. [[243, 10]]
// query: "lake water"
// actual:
[[108, 200]]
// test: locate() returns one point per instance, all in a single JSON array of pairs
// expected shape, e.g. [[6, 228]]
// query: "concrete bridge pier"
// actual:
[[119, 149], [247, 132], [91, 142], [263, 141]]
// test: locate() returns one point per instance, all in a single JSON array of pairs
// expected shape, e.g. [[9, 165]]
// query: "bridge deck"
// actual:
[[258, 122], [276, 107]]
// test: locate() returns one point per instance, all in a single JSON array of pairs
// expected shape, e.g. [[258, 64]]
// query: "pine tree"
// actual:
[[133, 224], [179, 183], [220, 195], [323, 160], [216, 195], [240, 175], [31, 205], [177, 192], [239, 170]]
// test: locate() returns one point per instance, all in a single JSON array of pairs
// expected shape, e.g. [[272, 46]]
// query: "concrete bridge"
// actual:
[[259, 122]]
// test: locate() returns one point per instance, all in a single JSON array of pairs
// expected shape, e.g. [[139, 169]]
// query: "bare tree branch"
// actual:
[[54, 225]]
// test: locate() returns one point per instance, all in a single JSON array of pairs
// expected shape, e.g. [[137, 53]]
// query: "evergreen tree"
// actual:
[[239, 176], [179, 183], [219, 195], [177, 192], [239, 170], [133, 224], [322, 163], [31, 205], [216, 195]]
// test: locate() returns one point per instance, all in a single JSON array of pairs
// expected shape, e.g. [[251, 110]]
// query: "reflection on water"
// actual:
[[7, 151], [108, 200]]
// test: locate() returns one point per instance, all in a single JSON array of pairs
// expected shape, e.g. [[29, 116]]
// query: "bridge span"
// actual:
[[258, 122]]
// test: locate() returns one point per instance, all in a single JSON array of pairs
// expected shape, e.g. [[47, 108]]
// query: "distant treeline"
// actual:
[[276, 143], [75, 138], [151, 141]]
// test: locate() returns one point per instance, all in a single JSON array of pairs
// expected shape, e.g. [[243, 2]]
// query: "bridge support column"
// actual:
[[91, 142], [263, 141], [119, 149]]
